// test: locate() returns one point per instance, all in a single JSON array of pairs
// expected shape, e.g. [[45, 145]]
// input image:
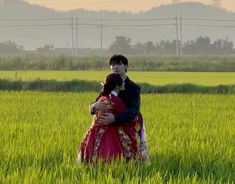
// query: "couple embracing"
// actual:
[[117, 129]]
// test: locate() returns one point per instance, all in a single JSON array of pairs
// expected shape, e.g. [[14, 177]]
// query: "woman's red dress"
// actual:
[[112, 141]]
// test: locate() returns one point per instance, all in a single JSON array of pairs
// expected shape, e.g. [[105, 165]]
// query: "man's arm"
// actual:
[[132, 109]]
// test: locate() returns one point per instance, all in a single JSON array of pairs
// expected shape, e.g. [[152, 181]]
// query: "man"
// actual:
[[131, 98]]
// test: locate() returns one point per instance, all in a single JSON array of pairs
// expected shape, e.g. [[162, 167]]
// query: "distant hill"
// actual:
[[55, 27]]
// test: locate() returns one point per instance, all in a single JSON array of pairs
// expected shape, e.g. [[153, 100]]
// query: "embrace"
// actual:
[[117, 129]]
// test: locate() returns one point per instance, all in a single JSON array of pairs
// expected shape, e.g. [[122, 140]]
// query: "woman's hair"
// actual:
[[112, 80]]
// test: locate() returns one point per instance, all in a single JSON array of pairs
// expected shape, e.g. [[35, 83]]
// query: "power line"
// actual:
[[37, 25], [44, 19], [114, 25], [123, 24], [213, 20], [136, 25], [87, 18], [204, 25], [121, 19], [139, 19]]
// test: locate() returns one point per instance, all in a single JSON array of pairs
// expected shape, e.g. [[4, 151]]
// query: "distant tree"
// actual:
[[149, 47], [10, 47], [188, 46], [46, 48], [162, 46], [138, 47], [202, 44], [218, 44], [228, 46], [122, 44], [170, 46]]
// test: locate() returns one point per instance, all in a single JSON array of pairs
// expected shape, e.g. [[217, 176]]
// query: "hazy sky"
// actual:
[[118, 5]]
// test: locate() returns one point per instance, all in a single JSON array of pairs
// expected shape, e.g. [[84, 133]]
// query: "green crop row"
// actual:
[[190, 139]]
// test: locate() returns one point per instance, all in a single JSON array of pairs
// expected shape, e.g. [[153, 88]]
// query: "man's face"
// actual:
[[119, 68]]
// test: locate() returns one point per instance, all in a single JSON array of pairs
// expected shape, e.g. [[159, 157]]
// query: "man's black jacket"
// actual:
[[131, 98]]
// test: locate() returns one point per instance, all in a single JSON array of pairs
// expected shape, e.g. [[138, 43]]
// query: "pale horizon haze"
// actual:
[[119, 5]]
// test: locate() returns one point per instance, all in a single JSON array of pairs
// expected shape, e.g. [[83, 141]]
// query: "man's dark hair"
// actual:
[[118, 59]]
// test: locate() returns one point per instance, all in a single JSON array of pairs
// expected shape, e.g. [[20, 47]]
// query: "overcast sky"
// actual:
[[119, 5]]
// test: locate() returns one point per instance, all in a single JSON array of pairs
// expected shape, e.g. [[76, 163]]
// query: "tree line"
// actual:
[[202, 45], [122, 44]]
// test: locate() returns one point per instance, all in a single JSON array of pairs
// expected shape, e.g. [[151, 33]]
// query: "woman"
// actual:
[[109, 141]]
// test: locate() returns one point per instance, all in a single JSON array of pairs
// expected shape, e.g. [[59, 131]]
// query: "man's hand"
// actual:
[[100, 106], [106, 119]]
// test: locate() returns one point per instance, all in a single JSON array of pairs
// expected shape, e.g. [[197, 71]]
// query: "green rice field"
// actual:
[[155, 78], [191, 138]]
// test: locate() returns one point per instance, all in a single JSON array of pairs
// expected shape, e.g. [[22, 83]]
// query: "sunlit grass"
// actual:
[[156, 78], [190, 138]]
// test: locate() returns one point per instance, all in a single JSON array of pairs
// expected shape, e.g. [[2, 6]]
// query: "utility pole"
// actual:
[[76, 21], [72, 35], [177, 38], [101, 30], [181, 37], [101, 34]]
